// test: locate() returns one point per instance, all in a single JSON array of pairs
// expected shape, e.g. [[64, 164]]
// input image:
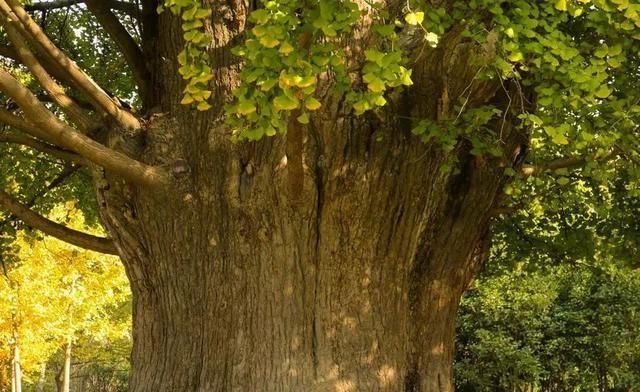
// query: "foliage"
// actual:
[[55, 292], [285, 53], [193, 59], [567, 71], [564, 329]]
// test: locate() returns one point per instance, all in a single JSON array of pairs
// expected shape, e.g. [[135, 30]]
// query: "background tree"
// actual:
[[558, 330], [59, 297], [556, 308], [333, 255]]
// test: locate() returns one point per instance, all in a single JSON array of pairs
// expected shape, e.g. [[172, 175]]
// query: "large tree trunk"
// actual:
[[352, 285], [246, 277], [355, 289]]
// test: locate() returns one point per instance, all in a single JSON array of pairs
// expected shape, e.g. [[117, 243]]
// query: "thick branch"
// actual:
[[128, 46], [562, 163], [15, 122], [56, 182], [47, 125], [49, 227], [42, 147], [55, 71], [30, 29], [55, 91], [52, 5], [128, 8]]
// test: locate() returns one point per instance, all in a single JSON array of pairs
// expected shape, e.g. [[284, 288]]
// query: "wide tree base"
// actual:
[[349, 284]]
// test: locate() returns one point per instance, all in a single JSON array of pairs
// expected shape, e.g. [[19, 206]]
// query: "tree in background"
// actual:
[[302, 190], [59, 297], [563, 330], [558, 307]]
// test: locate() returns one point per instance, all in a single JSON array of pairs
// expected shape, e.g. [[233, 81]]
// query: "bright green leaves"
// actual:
[[286, 102], [414, 18], [558, 134], [472, 124], [561, 5], [385, 66], [290, 49], [432, 21], [193, 59], [381, 72], [286, 52], [574, 56]]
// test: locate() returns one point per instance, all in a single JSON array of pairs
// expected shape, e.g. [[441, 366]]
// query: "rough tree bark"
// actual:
[[248, 277], [352, 283]]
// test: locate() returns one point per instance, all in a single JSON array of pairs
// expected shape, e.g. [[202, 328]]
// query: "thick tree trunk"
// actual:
[[248, 277], [352, 287]]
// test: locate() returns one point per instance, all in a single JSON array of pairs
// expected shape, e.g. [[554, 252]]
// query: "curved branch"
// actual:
[[562, 163], [49, 127], [15, 122], [130, 49], [49, 227], [55, 91], [30, 29], [52, 5], [128, 8], [56, 182], [43, 147], [10, 53]]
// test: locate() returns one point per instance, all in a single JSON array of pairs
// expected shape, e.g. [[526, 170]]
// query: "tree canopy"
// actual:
[[540, 98]]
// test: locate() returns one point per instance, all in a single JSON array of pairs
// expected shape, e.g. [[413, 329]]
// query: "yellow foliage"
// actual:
[[57, 291]]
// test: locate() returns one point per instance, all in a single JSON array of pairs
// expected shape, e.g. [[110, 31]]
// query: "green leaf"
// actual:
[[284, 102], [414, 18], [203, 106], [601, 51], [374, 56], [516, 57], [376, 85], [246, 107], [303, 118], [311, 103], [603, 92]]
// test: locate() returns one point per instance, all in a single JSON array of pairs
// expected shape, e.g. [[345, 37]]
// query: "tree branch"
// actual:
[[130, 49], [43, 147], [15, 122], [128, 8], [55, 91], [49, 227], [56, 182], [562, 163], [52, 5], [30, 29], [55, 71], [49, 127]]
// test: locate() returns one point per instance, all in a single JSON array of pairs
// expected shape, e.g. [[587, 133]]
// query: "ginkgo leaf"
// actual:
[[414, 18]]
